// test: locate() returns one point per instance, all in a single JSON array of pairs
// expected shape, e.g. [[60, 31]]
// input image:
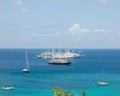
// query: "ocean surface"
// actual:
[[82, 74]]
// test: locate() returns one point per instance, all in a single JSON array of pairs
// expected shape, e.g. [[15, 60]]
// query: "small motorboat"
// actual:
[[102, 83], [8, 88]]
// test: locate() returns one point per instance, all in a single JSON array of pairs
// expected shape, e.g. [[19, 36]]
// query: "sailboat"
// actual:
[[102, 83], [8, 88], [26, 69]]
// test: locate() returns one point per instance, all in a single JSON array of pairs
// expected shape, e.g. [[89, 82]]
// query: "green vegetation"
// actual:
[[83, 93], [59, 92]]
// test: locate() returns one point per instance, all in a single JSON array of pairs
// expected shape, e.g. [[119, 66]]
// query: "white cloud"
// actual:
[[22, 9], [76, 29], [104, 1], [100, 30], [18, 2]]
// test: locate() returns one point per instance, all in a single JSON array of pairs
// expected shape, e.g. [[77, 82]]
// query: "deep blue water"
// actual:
[[82, 74]]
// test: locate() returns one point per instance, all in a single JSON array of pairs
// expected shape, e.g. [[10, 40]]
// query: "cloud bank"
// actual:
[[76, 29]]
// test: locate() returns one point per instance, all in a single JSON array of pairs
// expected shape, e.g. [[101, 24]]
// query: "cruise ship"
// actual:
[[68, 54]]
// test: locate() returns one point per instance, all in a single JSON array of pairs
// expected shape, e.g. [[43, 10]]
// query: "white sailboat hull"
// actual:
[[102, 83], [25, 70], [8, 88]]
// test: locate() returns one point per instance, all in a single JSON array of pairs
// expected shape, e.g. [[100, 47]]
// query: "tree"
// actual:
[[83, 93], [59, 92]]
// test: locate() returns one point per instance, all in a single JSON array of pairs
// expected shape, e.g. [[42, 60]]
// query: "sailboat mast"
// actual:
[[53, 51], [27, 63]]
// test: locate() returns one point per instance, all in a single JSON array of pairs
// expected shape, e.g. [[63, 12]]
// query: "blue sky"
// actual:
[[59, 23]]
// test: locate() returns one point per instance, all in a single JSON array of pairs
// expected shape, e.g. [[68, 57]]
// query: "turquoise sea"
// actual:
[[82, 74]]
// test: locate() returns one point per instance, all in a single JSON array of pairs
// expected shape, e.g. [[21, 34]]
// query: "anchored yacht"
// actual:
[[59, 62]]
